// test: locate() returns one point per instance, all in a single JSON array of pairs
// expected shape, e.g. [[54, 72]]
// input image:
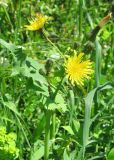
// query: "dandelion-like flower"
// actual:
[[37, 23], [78, 70]]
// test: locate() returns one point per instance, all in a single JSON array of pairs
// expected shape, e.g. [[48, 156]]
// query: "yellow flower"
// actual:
[[37, 23], [78, 70]]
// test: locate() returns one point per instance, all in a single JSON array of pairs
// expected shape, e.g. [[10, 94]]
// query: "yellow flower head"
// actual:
[[37, 23], [78, 70]]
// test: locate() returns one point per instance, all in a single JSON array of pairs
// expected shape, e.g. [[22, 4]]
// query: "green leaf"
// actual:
[[59, 100], [76, 124], [37, 154], [65, 155], [106, 34], [111, 155], [11, 47], [39, 129], [88, 107], [52, 106], [58, 104], [68, 129], [12, 107], [31, 69]]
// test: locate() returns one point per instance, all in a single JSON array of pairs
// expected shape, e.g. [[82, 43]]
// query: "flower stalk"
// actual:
[[80, 17]]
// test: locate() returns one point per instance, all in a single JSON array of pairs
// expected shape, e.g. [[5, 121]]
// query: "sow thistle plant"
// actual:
[[77, 70]]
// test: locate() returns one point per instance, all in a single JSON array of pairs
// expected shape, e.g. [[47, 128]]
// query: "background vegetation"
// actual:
[[42, 116]]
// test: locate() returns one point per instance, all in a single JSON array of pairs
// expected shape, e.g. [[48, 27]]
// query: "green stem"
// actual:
[[53, 124], [8, 17], [80, 17], [45, 34], [112, 40], [72, 106], [18, 22], [47, 135], [19, 14], [97, 73]]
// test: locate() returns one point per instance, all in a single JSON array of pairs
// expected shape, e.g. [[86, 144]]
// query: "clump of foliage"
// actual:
[[8, 149]]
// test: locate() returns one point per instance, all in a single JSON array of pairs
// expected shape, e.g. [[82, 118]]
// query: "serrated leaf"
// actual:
[[31, 70], [59, 99], [59, 104]]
